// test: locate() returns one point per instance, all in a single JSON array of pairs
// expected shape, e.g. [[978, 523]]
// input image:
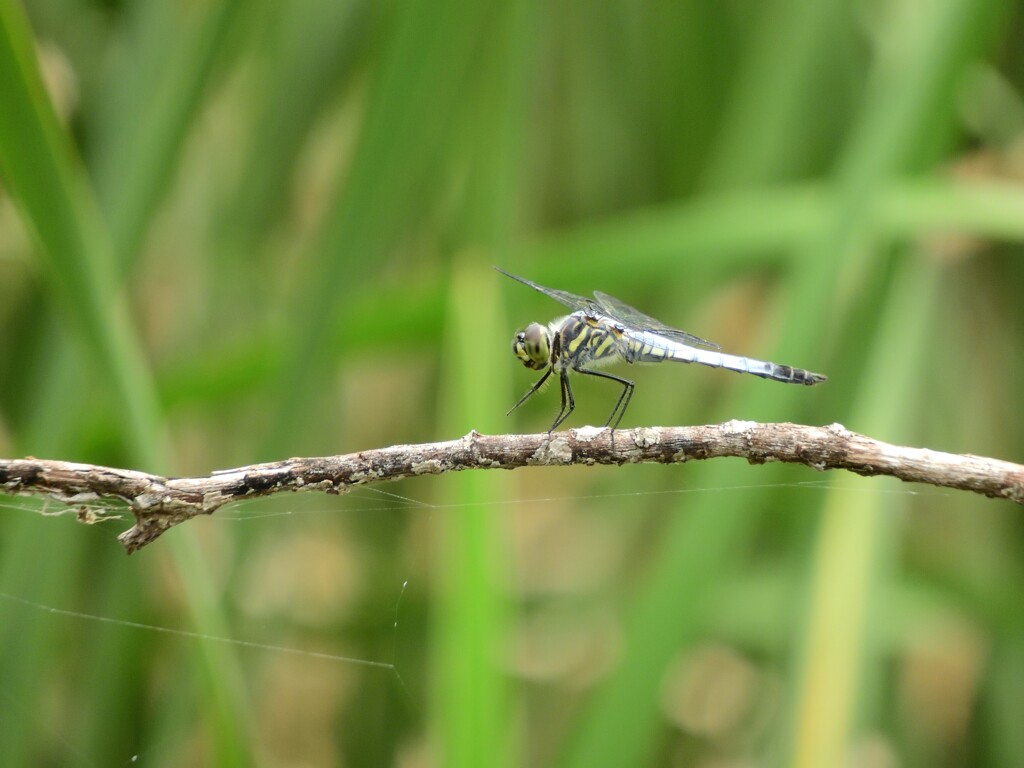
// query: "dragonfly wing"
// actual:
[[570, 300], [634, 318]]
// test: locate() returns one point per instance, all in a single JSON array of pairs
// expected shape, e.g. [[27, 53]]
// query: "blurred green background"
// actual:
[[238, 231]]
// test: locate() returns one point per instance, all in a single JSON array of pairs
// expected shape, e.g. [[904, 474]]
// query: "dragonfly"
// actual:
[[605, 330]]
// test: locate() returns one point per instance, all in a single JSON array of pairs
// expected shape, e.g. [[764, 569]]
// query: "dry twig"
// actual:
[[160, 503]]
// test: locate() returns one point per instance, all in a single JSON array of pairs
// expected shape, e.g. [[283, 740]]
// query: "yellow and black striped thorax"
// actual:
[[581, 339]]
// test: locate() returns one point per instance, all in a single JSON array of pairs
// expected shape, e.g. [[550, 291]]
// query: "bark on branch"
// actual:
[[159, 503]]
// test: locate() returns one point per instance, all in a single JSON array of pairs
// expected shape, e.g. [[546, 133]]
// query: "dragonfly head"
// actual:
[[532, 346]]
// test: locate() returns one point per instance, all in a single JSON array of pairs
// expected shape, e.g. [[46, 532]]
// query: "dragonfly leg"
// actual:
[[564, 412], [532, 390], [624, 398]]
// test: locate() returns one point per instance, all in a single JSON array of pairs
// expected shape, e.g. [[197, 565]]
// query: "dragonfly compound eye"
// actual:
[[533, 347]]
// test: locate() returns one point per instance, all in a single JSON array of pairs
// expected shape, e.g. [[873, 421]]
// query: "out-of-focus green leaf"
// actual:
[[148, 127], [412, 120], [47, 180]]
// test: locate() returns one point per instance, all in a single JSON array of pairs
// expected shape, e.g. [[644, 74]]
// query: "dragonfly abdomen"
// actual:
[[656, 353], [762, 368]]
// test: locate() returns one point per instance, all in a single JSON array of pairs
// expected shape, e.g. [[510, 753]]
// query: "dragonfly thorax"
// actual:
[[532, 346]]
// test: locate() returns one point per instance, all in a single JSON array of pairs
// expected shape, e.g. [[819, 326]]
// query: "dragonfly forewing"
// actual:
[[633, 319]]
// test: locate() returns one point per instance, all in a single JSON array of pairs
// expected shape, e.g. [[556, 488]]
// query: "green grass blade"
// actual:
[[313, 51], [138, 154], [735, 229], [411, 123], [773, 91], [47, 180], [853, 554], [469, 688]]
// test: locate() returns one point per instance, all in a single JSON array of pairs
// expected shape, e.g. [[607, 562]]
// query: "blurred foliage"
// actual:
[[239, 230]]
